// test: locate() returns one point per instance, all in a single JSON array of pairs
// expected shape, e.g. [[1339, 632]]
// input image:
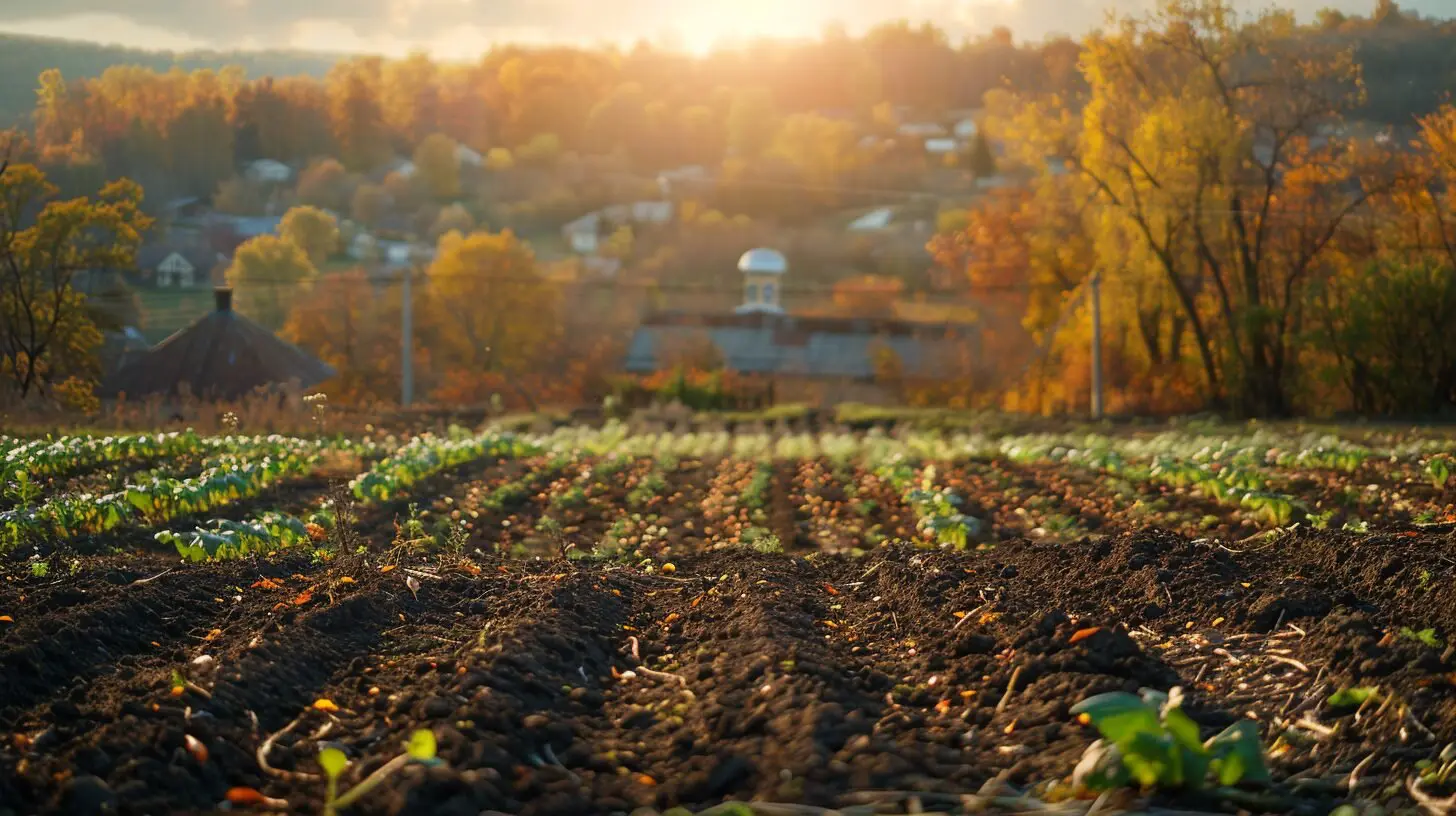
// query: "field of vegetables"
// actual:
[[619, 620]]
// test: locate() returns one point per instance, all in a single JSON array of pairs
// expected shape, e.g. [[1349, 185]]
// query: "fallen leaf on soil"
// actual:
[[646, 780], [959, 615], [213, 634], [346, 580], [6, 619], [303, 597], [669, 567], [670, 618], [245, 796], [989, 617], [1083, 634], [943, 706], [828, 587], [697, 601], [267, 583], [386, 568], [325, 705]]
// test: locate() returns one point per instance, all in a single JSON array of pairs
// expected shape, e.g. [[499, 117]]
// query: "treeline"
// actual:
[[197, 116]]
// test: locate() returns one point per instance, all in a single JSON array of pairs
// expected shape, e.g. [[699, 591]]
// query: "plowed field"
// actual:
[[594, 636]]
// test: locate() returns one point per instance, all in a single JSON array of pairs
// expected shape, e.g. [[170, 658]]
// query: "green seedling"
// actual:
[[1150, 741], [1354, 697], [420, 750], [1438, 470], [1426, 636]]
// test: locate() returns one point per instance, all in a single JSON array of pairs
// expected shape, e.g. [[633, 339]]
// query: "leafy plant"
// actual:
[[1426, 636], [1149, 740], [1438, 470]]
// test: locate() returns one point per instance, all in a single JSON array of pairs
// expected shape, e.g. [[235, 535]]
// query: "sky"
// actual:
[[462, 29]]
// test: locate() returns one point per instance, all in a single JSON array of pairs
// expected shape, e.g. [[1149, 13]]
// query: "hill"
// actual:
[[23, 58]]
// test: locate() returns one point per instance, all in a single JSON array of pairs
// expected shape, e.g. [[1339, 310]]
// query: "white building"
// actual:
[[763, 270]]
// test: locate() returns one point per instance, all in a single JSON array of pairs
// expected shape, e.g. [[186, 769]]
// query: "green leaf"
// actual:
[[333, 761], [1238, 755], [1351, 697], [421, 746], [1183, 729], [1149, 758], [1119, 716]]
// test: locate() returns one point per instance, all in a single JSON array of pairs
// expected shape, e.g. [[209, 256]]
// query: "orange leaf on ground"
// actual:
[[325, 705], [386, 568], [245, 796], [828, 587], [6, 619], [1083, 634], [644, 779], [303, 597]]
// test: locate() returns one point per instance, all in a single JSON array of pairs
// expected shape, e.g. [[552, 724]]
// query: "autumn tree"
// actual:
[[453, 218], [46, 334], [369, 204], [1207, 139], [355, 112], [269, 274], [324, 183], [356, 328], [494, 314], [312, 230], [438, 166]]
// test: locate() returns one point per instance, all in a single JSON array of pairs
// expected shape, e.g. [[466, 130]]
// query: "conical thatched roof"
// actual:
[[223, 355]]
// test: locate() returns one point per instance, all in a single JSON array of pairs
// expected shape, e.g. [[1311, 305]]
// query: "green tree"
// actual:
[[269, 273], [312, 230], [438, 166], [46, 334], [979, 158]]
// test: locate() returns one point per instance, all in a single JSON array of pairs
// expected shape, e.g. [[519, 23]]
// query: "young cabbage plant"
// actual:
[[1150, 741]]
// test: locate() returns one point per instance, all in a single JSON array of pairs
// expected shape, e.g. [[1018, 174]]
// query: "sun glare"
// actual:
[[707, 25]]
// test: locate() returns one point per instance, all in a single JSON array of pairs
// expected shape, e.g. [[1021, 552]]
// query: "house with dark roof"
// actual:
[[222, 355], [824, 359]]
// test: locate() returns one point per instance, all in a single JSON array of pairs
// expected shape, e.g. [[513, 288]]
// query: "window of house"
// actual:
[[768, 293], [750, 295]]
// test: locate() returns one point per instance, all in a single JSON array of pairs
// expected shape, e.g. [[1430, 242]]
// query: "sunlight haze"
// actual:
[[462, 29]]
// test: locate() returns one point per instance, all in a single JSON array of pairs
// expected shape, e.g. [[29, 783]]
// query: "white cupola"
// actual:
[[763, 270]]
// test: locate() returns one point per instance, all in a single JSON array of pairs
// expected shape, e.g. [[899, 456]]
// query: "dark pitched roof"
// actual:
[[222, 355], [789, 345]]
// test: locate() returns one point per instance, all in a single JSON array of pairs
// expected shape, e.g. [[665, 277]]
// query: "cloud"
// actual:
[[227, 23]]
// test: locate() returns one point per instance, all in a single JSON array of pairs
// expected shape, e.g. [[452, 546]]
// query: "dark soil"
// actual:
[[598, 687]]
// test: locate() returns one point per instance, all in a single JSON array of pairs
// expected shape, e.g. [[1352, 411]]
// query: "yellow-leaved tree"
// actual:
[[313, 231], [494, 316], [47, 336], [269, 273]]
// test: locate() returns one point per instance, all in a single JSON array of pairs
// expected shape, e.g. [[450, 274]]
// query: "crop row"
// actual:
[[160, 498], [389, 478]]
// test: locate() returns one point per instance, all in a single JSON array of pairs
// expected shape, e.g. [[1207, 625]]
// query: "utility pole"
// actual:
[[407, 330], [1095, 285]]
